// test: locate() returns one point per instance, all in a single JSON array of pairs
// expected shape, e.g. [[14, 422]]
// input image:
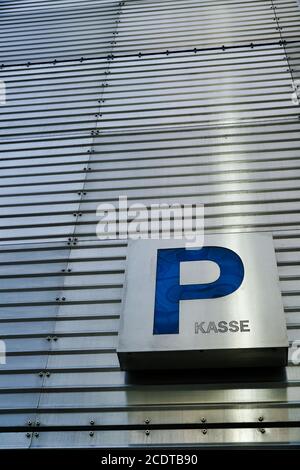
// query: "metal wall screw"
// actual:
[[147, 432], [261, 418], [91, 433], [92, 422], [203, 420], [204, 431], [262, 430]]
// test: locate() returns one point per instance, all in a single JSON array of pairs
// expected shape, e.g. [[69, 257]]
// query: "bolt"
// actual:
[[91, 433], [204, 431], [203, 420]]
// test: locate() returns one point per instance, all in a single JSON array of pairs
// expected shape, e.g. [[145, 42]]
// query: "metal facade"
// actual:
[[157, 100]]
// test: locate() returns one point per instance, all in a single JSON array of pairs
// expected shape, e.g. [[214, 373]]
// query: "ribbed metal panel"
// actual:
[[160, 101]]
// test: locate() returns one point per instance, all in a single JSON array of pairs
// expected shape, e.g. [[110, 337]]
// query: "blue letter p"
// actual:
[[169, 292]]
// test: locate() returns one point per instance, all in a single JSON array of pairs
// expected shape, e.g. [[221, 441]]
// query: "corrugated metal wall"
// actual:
[[158, 100]]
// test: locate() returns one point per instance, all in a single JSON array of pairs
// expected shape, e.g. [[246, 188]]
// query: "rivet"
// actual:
[[48, 374], [147, 421], [147, 432], [41, 374], [262, 430], [28, 434], [36, 434], [29, 423], [63, 270], [261, 418], [91, 433], [204, 431], [203, 420], [54, 338], [37, 423], [69, 270], [92, 422], [63, 299], [48, 338]]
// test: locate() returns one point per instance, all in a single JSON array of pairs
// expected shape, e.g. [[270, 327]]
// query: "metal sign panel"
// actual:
[[215, 306]]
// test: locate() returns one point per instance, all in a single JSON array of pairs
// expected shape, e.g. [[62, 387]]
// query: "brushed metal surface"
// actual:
[[216, 124]]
